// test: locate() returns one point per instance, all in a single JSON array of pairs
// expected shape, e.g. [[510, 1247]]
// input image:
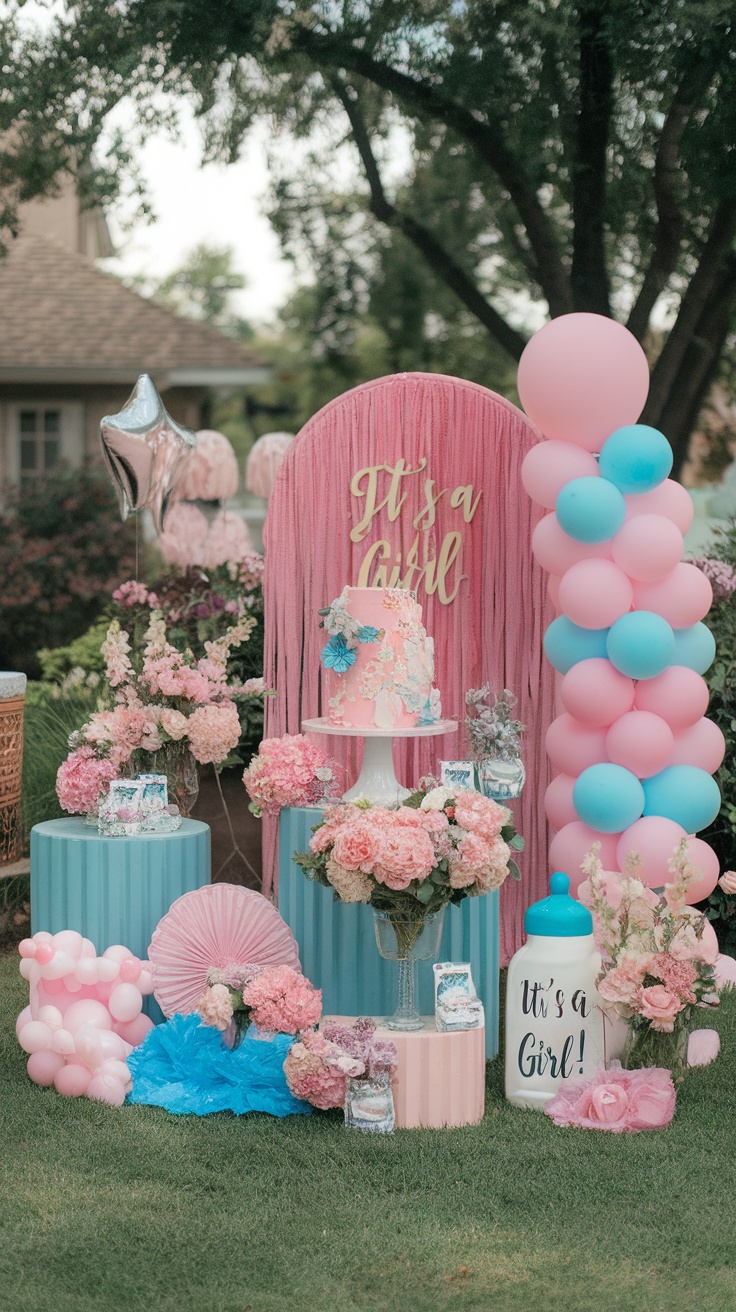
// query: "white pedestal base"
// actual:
[[377, 781]]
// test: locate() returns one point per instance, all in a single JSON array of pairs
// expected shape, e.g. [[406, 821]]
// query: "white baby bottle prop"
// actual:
[[554, 1018]]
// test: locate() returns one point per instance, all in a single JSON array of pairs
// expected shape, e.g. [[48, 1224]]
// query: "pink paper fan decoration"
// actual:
[[210, 472], [263, 462], [183, 540], [214, 927]]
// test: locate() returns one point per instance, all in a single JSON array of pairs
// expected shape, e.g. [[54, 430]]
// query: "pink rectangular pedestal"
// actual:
[[440, 1080]]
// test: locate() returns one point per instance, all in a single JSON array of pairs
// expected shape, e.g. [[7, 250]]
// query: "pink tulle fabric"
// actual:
[[615, 1100], [190, 540], [210, 472], [493, 630], [263, 462]]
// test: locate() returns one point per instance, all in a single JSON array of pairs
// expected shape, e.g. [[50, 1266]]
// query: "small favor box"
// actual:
[[122, 811], [456, 1003], [156, 791], [457, 774]]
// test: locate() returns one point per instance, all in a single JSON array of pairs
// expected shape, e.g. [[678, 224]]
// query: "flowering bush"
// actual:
[[275, 998], [318, 1067], [655, 966], [289, 771], [615, 1100], [442, 845]]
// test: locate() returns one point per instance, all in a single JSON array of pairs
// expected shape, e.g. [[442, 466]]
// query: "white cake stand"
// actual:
[[377, 781]]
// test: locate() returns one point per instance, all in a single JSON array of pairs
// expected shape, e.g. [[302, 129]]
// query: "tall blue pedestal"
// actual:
[[113, 890], [337, 942]]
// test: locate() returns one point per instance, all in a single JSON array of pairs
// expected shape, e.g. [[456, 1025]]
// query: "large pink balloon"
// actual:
[[647, 547], [682, 597], [87, 1012], [102, 1088], [44, 1066], [670, 499], [641, 742], [581, 377], [703, 858], [678, 694], [570, 845], [702, 745], [125, 1002], [555, 551], [709, 943], [572, 746], [655, 839], [595, 593], [553, 590], [135, 1031], [35, 1036], [558, 802], [550, 465], [595, 693], [72, 1081]]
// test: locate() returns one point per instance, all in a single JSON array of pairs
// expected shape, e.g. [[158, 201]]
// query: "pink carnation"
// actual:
[[357, 846], [81, 778], [283, 1000], [404, 855], [213, 732], [677, 976], [615, 1100]]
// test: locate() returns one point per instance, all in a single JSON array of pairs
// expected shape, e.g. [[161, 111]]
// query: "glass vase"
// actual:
[[649, 1047], [182, 774], [369, 1104], [501, 778], [407, 939]]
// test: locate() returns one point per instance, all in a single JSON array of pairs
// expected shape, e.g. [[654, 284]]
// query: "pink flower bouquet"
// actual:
[[289, 771], [319, 1066], [276, 999], [615, 1100]]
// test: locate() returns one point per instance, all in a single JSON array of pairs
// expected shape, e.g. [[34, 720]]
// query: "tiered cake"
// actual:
[[379, 661]]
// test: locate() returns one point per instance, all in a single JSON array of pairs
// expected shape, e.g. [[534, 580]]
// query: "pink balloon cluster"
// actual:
[[582, 378], [84, 1015]]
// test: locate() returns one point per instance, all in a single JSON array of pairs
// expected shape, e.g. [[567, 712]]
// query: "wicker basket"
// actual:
[[11, 767]]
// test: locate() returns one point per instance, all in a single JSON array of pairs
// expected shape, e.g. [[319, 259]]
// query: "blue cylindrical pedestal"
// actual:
[[113, 890]]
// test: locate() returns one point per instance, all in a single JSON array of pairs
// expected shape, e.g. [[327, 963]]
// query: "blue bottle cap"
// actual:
[[558, 916]]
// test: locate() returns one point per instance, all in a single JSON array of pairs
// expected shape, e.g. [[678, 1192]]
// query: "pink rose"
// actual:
[[621, 985], [615, 1100], [651, 1098], [659, 1006], [608, 1104], [727, 882], [357, 846], [173, 723]]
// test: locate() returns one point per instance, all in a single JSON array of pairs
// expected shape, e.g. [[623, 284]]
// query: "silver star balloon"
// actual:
[[144, 449]]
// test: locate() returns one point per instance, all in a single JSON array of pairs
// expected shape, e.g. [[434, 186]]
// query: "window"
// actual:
[[40, 441]]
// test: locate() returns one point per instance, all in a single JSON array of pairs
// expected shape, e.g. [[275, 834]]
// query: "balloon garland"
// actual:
[[632, 747]]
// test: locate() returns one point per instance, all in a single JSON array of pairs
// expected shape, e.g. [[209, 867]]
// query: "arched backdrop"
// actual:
[[485, 599]]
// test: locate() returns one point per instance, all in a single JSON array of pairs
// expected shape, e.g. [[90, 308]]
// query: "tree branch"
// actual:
[[702, 287], [486, 138], [589, 276], [438, 258]]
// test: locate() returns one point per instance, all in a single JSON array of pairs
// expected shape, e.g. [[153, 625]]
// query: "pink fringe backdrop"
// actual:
[[493, 629]]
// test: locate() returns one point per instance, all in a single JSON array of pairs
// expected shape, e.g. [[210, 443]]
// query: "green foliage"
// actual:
[[83, 653], [721, 680], [63, 549]]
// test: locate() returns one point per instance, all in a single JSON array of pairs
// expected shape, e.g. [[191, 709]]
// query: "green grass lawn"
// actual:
[[135, 1209]]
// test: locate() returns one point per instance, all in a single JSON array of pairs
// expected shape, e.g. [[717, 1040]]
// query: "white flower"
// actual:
[[438, 798]]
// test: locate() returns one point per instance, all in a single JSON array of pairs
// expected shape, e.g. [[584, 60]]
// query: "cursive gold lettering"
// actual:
[[463, 496]]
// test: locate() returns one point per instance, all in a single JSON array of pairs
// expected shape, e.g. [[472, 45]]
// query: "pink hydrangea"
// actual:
[[479, 814], [317, 1071], [621, 984], [215, 1006], [289, 771], [81, 778], [283, 1000], [213, 732], [357, 846], [350, 885], [677, 976], [404, 855], [615, 1100]]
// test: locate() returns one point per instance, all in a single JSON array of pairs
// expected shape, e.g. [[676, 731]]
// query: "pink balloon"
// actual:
[[725, 971], [595, 693], [44, 953], [27, 947], [648, 547], [640, 742], [678, 694], [102, 1088], [550, 465], [61, 964], [86, 971], [69, 940], [571, 844], [558, 802], [581, 377], [682, 597], [63, 1042], [87, 1012], [702, 745], [595, 593], [703, 858], [108, 968], [709, 942], [572, 746], [50, 1016], [553, 590], [116, 1070], [22, 1020], [116, 952], [130, 970], [135, 1031], [125, 1002], [654, 839], [43, 1067], [72, 1081], [555, 551], [25, 967], [670, 499], [145, 983], [53, 986], [35, 1036]]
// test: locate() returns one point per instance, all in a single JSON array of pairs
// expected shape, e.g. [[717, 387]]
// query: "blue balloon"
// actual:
[[566, 643], [590, 509], [636, 458], [695, 647], [608, 798], [641, 644], [684, 794]]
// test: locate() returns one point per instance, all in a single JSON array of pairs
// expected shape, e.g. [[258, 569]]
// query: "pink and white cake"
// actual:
[[379, 661]]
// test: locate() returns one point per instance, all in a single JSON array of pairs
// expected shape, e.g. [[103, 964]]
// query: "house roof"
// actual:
[[64, 320]]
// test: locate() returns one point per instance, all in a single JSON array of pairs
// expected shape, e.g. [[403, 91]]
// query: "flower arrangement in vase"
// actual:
[[654, 969], [289, 771], [494, 739], [276, 999], [442, 845], [346, 1066]]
